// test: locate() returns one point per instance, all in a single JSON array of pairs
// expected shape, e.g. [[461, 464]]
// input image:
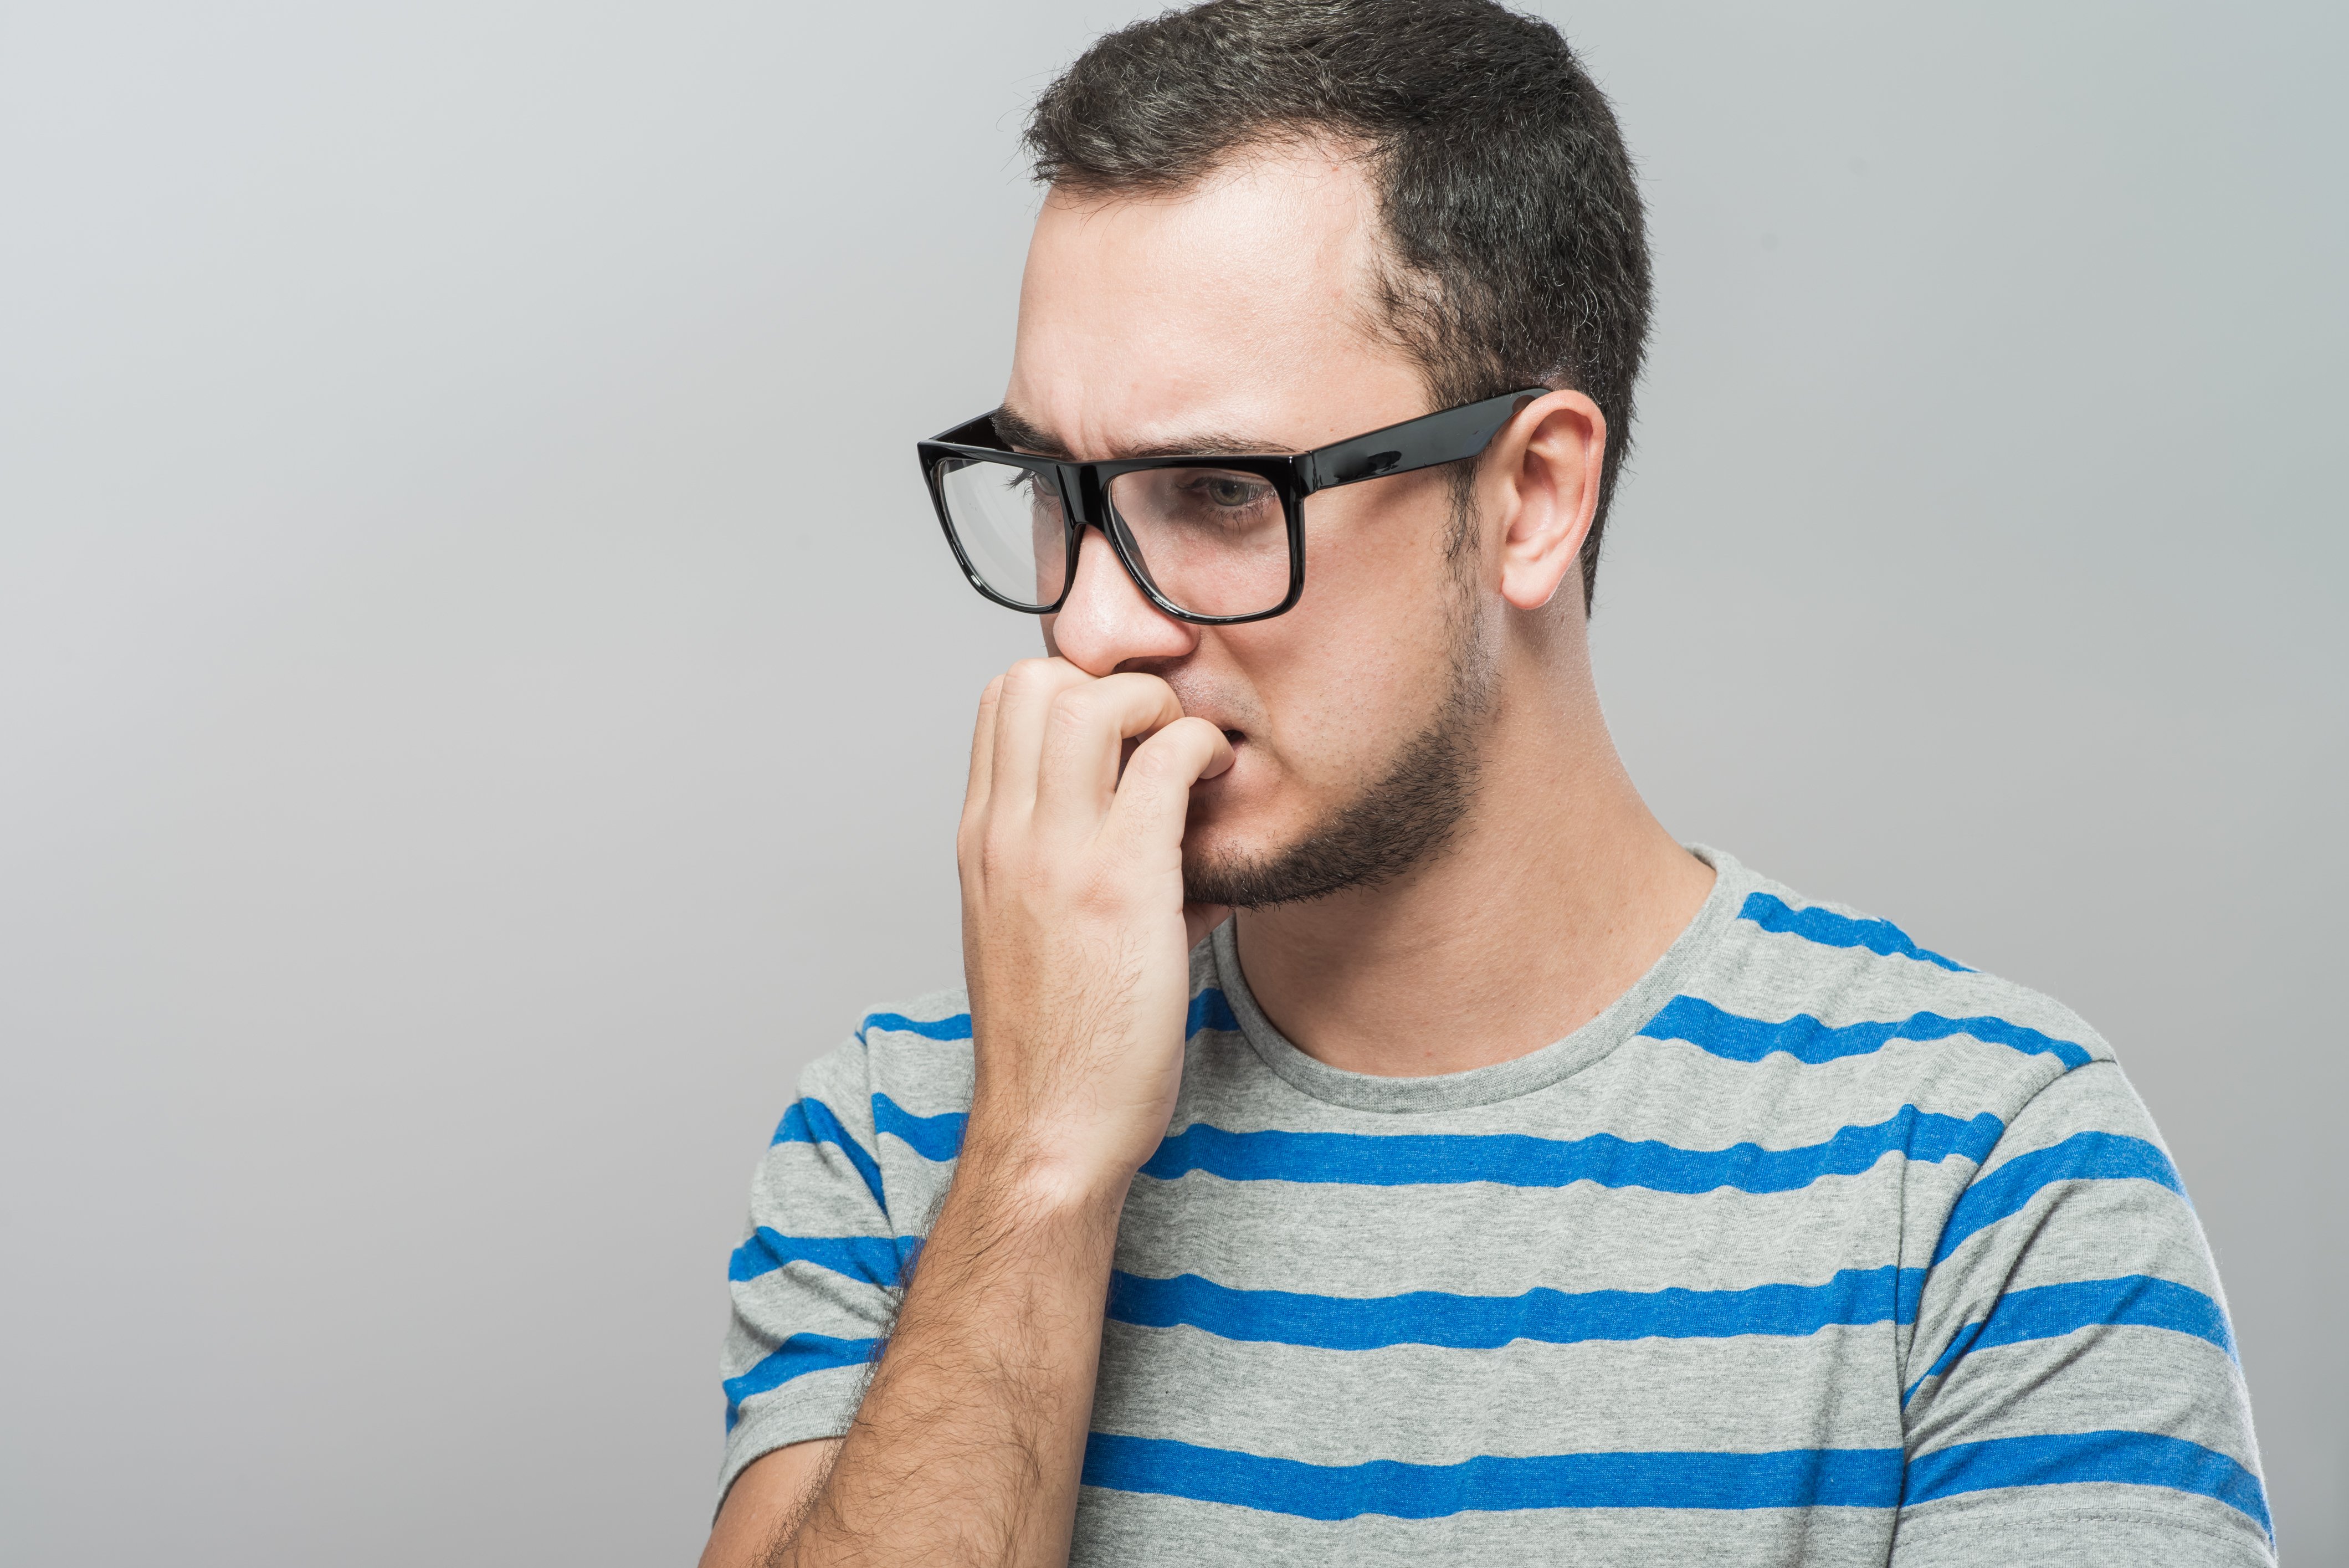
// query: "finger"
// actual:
[[1084, 740], [1028, 688], [982, 751], [1154, 796]]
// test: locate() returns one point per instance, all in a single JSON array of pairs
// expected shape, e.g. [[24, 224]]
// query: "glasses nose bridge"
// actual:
[[1085, 500]]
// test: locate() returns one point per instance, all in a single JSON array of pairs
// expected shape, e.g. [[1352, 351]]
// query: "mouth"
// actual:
[[1238, 740]]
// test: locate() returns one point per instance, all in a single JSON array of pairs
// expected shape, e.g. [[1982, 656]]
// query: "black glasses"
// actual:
[[1211, 540]]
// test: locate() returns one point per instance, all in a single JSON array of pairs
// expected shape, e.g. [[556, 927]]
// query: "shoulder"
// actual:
[[1832, 986], [881, 1113], [903, 1059]]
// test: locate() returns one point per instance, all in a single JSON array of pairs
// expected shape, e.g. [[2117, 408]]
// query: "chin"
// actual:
[[1242, 819], [1244, 840], [1235, 814], [1214, 842]]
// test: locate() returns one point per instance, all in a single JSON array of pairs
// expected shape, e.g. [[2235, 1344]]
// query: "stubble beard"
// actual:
[[1410, 815]]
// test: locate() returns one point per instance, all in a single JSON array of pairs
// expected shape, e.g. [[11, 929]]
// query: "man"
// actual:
[[1366, 1135]]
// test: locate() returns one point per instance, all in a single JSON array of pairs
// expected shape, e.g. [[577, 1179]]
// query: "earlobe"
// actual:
[[1554, 452]]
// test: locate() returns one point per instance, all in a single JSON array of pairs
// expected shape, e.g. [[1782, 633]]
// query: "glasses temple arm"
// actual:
[[1422, 443]]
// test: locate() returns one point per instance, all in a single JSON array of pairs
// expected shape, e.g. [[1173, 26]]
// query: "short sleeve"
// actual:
[[2072, 1393], [816, 1281]]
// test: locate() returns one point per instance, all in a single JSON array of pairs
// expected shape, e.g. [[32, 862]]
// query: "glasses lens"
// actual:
[[1212, 541], [1009, 523]]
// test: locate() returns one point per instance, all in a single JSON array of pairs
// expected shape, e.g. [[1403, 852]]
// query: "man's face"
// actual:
[[1237, 316]]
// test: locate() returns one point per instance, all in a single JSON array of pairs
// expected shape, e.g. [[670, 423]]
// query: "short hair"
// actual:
[[1516, 252]]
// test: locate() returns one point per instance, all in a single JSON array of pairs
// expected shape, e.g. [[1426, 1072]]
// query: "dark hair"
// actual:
[[1512, 219]]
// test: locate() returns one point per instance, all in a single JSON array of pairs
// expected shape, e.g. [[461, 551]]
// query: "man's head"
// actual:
[[1276, 223]]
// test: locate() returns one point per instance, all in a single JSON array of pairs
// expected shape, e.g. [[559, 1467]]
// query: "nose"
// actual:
[[1104, 622]]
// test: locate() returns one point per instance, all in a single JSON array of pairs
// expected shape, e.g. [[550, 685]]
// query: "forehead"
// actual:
[[1238, 306]]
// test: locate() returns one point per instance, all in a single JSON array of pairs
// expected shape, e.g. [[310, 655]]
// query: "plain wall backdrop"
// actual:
[[483, 698]]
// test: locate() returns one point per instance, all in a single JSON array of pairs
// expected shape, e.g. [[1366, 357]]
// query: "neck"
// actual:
[[1557, 892]]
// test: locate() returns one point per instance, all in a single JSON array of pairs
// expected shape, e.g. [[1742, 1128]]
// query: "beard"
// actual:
[[1409, 815]]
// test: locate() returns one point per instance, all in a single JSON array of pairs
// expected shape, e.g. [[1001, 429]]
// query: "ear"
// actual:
[[1545, 466]]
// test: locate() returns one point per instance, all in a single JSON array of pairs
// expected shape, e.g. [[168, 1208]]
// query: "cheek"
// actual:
[[1365, 657]]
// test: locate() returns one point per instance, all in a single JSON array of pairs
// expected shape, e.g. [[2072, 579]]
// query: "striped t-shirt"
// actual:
[[1815, 1247]]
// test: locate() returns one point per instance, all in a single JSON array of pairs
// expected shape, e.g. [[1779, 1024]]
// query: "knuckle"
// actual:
[[1009, 862], [1161, 755], [993, 859]]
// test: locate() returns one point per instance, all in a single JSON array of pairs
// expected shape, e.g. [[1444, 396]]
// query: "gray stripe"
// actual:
[[1501, 1241], [1122, 1528], [1758, 1393], [2092, 1524]]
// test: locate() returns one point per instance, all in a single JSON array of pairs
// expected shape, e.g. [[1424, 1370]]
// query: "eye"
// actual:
[[1227, 491]]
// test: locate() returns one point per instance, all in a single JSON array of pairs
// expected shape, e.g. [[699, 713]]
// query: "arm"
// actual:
[[969, 1442], [765, 1503], [2072, 1392]]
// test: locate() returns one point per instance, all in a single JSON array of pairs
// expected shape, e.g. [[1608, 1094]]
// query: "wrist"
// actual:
[[1027, 1184]]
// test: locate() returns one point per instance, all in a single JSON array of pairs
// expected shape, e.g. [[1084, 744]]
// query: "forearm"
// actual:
[[968, 1444], [971, 1440]]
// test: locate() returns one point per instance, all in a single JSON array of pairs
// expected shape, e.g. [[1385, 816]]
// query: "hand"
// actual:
[[1076, 936]]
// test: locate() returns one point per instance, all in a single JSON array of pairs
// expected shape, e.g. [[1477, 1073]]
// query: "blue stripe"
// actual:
[[2083, 1157], [955, 1028], [1805, 1038], [1210, 1010], [2133, 1458], [2051, 1312], [876, 1260], [811, 1121], [1514, 1159], [1830, 930], [1800, 1478], [932, 1137], [795, 1357], [1486, 1323]]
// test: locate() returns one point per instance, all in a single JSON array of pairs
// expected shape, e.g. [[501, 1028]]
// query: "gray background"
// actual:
[[481, 697]]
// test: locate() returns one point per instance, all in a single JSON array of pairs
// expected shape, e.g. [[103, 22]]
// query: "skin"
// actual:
[[1233, 315]]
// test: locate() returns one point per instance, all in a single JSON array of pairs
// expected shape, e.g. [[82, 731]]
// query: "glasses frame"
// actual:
[[1448, 435]]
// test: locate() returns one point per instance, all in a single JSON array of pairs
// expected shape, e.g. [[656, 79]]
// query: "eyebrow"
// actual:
[[1024, 435]]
